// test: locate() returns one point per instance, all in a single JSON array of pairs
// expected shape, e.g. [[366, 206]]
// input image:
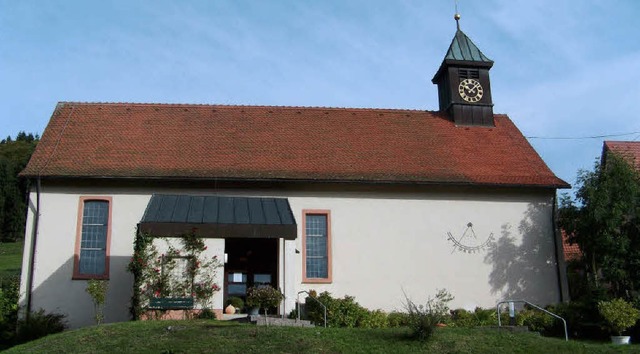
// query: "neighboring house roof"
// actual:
[[571, 251], [126, 140], [629, 150]]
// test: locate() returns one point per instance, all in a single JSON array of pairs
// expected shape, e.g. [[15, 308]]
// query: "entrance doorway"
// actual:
[[250, 262]]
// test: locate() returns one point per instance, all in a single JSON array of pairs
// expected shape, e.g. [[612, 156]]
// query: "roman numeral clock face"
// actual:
[[470, 90]]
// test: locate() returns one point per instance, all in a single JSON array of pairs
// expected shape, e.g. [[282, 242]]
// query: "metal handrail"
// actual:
[[566, 333], [314, 298]]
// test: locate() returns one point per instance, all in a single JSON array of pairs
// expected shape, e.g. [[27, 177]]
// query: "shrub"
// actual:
[[346, 312], [462, 318], [619, 314], [535, 320], [9, 290], [424, 318], [235, 302], [315, 311], [373, 319], [40, 324], [487, 317], [582, 316], [97, 289], [398, 319], [206, 314], [293, 314], [343, 312], [477, 318]]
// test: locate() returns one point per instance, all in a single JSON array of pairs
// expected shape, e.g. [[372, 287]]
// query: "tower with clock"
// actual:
[[464, 91]]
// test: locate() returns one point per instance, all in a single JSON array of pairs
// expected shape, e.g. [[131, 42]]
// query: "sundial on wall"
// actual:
[[469, 242]]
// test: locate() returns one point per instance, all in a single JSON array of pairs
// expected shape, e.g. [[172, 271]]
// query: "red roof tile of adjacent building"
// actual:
[[571, 251], [287, 143], [630, 150]]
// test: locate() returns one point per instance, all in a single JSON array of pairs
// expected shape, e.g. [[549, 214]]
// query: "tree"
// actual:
[[14, 155], [604, 221]]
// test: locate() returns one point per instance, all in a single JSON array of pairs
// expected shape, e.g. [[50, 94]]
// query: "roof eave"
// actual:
[[559, 185]]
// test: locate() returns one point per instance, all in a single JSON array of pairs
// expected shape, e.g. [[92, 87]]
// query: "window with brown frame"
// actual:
[[91, 260], [316, 240]]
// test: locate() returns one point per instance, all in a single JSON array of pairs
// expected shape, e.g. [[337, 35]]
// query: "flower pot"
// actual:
[[230, 310], [620, 339], [254, 311]]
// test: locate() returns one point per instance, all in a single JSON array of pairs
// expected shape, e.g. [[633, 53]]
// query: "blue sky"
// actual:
[[562, 68]]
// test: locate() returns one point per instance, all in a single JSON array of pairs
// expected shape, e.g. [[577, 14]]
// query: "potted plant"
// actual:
[[263, 297], [236, 303], [619, 315]]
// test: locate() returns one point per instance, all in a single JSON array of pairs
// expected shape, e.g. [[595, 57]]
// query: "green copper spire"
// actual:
[[464, 90], [463, 49]]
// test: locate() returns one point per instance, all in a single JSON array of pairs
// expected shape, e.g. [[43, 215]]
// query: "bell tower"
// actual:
[[464, 90]]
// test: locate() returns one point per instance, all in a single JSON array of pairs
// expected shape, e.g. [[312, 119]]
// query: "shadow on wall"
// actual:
[[61, 294], [526, 270]]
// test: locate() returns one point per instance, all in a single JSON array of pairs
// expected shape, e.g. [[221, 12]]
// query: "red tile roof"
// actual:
[[290, 143], [571, 251], [630, 150]]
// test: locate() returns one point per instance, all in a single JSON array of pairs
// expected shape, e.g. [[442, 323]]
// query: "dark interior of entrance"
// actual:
[[250, 262]]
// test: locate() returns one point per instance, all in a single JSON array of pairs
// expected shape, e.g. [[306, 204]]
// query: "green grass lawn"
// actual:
[[10, 258], [202, 336]]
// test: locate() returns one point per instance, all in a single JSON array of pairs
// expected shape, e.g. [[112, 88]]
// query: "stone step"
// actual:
[[278, 321]]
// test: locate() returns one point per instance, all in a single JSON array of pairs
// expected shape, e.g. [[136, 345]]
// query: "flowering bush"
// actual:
[[184, 272], [264, 297]]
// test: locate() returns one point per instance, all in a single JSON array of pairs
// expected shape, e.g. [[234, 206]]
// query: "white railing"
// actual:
[[315, 299], [566, 333]]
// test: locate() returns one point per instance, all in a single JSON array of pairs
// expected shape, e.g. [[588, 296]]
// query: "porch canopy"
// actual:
[[218, 217]]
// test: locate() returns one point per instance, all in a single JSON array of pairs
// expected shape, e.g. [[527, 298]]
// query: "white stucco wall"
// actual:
[[384, 248], [385, 243]]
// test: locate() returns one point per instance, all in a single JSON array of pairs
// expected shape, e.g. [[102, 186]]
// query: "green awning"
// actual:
[[218, 217]]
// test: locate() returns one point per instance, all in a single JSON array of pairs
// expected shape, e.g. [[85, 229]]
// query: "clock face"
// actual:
[[470, 90]]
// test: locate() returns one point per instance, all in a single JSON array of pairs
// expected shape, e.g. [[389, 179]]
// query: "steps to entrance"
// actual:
[[267, 321], [235, 317], [278, 321]]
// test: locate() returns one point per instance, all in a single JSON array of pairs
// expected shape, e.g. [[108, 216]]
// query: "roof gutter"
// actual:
[[562, 185], [561, 270]]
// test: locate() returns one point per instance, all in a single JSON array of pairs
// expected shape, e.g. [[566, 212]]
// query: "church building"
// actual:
[[372, 203]]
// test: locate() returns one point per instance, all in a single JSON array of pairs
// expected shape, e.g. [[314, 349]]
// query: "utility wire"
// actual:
[[579, 137]]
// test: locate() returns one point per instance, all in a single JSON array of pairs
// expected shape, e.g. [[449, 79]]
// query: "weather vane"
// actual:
[[456, 16]]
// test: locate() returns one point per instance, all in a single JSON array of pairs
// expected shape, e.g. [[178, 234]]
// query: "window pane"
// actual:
[[261, 279], [92, 262], [316, 246], [237, 278], [237, 289], [93, 245]]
